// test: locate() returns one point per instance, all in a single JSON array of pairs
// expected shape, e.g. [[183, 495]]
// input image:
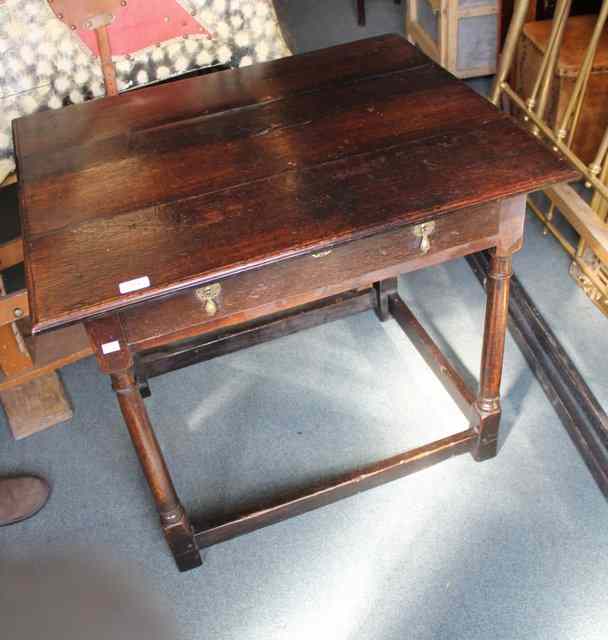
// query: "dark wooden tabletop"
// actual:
[[186, 182]]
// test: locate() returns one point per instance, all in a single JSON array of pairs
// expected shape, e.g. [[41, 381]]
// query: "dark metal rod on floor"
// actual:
[[575, 404]]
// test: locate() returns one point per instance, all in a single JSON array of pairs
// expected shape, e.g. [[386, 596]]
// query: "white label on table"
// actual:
[[110, 347], [134, 285]]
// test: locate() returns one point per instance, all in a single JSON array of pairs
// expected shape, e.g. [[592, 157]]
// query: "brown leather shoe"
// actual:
[[21, 498]]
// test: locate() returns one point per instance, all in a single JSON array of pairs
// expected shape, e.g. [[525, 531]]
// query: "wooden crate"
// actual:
[[577, 34], [461, 35]]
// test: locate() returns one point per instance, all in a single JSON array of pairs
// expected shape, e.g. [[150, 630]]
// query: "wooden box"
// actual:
[[577, 34], [461, 35]]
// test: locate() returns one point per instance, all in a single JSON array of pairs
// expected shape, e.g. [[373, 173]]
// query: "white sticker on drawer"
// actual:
[[110, 347], [134, 285]]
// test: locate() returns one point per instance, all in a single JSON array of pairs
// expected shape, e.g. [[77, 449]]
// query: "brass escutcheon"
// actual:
[[423, 231], [209, 295]]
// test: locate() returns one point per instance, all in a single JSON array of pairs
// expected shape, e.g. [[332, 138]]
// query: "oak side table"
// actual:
[[189, 220]]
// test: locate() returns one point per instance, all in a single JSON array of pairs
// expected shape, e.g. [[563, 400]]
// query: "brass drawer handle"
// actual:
[[209, 295], [423, 231], [321, 254]]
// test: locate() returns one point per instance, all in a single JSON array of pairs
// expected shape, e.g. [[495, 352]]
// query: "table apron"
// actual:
[[305, 279]]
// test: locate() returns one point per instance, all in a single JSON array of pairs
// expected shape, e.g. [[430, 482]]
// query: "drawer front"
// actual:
[[283, 285]]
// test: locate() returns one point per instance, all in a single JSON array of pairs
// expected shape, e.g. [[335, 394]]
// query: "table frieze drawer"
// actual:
[[321, 273]]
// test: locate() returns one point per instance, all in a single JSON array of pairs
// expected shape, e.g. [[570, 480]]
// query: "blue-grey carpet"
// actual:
[[513, 548]]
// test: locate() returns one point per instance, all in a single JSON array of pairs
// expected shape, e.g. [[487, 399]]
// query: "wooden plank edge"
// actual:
[[582, 217], [14, 306], [51, 351], [11, 253], [477, 10], [475, 72], [423, 40]]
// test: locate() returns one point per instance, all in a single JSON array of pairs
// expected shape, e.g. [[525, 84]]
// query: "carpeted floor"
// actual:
[[514, 548]]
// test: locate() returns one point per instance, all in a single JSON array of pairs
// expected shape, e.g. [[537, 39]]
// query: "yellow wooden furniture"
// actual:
[[30, 389], [460, 35]]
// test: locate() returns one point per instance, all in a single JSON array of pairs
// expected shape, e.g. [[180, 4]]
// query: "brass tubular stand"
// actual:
[[583, 417], [590, 264]]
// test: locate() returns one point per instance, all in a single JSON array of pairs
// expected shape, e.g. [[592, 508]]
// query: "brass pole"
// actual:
[[598, 203], [579, 105], [551, 52], [506, 57], [550, 60], [567, 246], [587, 64], [598, 167], [557, 37], [600, 157]]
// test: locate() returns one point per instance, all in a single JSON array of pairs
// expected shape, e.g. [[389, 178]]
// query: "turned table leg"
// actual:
[[512, 214], [488, 397], [173, 518]]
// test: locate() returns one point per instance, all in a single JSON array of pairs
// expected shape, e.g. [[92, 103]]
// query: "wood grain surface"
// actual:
[[265, 82], [237, 170]]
